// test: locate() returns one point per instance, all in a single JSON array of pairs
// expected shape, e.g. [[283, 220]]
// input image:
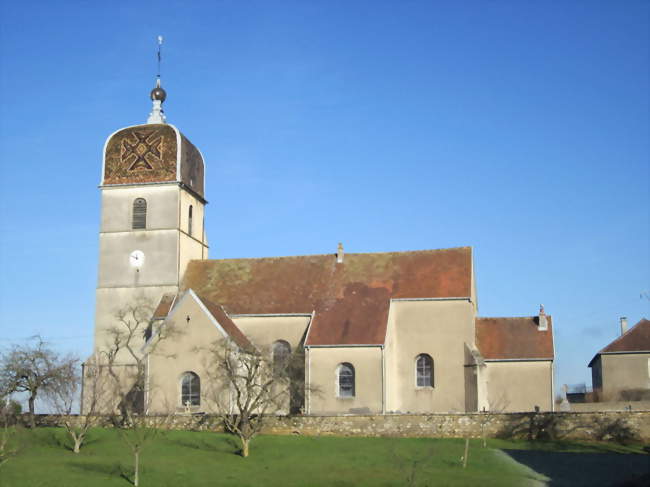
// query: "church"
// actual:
[[381, 333]]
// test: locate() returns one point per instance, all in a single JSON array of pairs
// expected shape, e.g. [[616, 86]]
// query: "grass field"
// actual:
[[180, 458]]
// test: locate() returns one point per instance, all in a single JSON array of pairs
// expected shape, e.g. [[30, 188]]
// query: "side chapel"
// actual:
[[382, 333]]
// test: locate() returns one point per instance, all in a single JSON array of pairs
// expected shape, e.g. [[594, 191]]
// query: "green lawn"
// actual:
[[179, 458]]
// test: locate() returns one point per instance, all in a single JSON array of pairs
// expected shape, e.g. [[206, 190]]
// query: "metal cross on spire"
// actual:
[[158, 95], [160, 41]]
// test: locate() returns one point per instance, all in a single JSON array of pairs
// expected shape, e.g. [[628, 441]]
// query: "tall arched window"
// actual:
[[189, 221], [424, 370], [345, 380], [190, 389], [281, 354], [139, 214]]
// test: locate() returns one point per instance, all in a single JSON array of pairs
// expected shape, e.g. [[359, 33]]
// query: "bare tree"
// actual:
[[64, 396], [34, 368], [124, 359], [245, 387]]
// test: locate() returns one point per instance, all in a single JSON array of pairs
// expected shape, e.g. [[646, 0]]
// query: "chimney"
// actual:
[[623, 324], [542, 323], [339, 254]]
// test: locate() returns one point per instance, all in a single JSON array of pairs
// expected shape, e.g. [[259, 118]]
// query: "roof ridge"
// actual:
[[508, 317], [347, 254]]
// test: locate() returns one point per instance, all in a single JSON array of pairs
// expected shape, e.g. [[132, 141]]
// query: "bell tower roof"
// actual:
[[155, 152], [152, 153]]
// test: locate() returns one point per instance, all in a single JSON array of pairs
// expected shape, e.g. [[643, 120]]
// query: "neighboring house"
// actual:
[[393, 332], [621, 370]]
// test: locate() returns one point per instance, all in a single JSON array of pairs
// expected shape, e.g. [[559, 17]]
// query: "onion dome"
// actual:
[[158, 94]]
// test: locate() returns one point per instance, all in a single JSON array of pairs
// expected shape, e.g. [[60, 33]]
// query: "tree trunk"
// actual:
[[466, 452], [244, 447], [136, 475], [32, 421], [78, 440]]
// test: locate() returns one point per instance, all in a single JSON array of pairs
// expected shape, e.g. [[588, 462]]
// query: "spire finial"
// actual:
[[158, 95], [160, 41]]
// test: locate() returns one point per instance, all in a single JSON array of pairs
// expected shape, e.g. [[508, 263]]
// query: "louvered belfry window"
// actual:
[[139, 214]]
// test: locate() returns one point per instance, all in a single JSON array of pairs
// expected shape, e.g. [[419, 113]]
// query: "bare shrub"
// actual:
[[615, 429]]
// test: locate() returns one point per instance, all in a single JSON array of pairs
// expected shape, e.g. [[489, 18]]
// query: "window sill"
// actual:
[[424, 388], [192, 409], [346, 398]]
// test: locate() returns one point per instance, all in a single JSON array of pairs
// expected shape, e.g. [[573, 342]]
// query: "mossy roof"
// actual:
[[350, 299]]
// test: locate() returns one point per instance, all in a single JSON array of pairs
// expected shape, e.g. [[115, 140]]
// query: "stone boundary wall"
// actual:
[[622, 426], [583, 407]]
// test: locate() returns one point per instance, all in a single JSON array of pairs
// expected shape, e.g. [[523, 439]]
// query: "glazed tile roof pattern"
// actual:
[[636, 339], [351, 299], [153, 153], [514, 338]]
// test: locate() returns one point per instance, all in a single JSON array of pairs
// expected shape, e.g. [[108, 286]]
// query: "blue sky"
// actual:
[[517, 128]]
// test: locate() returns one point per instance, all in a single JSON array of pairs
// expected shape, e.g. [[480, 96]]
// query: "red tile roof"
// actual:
[[227, 324], [636, 339], [217, 312], [514, 338], [165, 304], [351, 299]]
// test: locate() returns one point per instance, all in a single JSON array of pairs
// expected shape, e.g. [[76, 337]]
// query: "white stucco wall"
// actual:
[[166, 248], [322, 378], [515, 386], [624, 371], [439, 328], [263, 331]]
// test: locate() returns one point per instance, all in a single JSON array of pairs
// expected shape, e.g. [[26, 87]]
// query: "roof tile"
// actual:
[[636, 339], [514, 338], [351, 299]]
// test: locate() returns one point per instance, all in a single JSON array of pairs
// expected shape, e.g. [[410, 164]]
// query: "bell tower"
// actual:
[[152, 214]]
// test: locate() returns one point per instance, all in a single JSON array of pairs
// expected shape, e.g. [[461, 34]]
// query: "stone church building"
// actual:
[[382, 333]]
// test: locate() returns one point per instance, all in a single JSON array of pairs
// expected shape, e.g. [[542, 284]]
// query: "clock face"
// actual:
[[136, 259]]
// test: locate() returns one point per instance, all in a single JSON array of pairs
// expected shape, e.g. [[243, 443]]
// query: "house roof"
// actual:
[[636, 339], [227, 324], [514, 338], [220, 316], [350, 299]]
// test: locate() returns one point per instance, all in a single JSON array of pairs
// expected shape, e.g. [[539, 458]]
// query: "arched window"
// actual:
[[345, 380], [189, 221], [139, 214], [424, 370], [281, 354], [190, 389]]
